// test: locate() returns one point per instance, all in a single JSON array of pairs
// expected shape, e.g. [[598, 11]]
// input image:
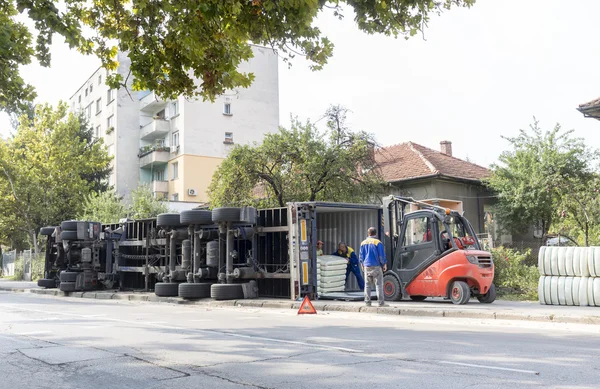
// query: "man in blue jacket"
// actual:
[[372, 260], [349, 255]]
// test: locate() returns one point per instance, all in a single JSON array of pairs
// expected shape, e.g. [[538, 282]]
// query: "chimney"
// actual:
[[446, 147]]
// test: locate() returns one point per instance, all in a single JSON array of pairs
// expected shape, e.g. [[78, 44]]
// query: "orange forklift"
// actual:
[[433, 252]]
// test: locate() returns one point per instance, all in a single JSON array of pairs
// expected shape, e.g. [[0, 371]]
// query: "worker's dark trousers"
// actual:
[[355, 268]]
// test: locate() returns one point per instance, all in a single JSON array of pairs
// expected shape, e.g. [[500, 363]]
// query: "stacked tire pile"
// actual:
[[331, 274], [569, 276]]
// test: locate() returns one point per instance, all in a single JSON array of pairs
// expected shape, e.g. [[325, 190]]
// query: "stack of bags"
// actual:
[[331, 274], [569, 276]]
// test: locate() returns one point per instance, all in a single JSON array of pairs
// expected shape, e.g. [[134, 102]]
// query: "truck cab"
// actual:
[[434, 252]]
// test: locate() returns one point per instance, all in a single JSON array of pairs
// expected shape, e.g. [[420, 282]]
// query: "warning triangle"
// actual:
[[306, 307]]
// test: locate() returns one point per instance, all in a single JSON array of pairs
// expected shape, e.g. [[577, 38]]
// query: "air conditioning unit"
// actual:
[[192, 192]]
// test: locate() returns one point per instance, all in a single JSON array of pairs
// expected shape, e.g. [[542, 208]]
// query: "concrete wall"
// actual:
[[473, 196]]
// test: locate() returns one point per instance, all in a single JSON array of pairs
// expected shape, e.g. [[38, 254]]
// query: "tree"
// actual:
[[105, 207], [144, 205], [42, 170], [300, 164], [543, 171], [177, 46]]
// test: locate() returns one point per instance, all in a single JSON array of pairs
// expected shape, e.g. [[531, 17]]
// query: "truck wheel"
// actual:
[[195, 216], [68, 235], [194, 291], [166, 289], [460, 293], [47, 231], [226, 291], [233, 215], [489, 297], [67, 286], [69, 225], [47, 283], [168, 220], [391, 288], [418, 298], [68, 276]]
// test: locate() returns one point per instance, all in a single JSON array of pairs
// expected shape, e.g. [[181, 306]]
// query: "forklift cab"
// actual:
[[418, 241]]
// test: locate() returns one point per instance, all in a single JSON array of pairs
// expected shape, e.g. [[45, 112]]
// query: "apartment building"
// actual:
[[175, 146]]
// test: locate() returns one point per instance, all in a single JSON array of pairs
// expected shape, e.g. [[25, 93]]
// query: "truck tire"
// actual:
[[47, 283], [418, 298], [47, 231], [68, 276], [226, 214], [489, 297], [391, 288], [166, 289], [67, 286], [68, 235], [460, 293], [69, 225], [168, 220], [226, 292], [195, 216], [194, 291]]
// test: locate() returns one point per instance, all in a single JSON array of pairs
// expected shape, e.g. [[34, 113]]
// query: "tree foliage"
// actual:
[[300, 164], [44, 171], [544, 173], [179, 45], [105, 207], [144, 205]]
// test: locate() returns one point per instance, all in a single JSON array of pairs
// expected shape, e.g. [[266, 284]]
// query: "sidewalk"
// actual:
[[500, 309]]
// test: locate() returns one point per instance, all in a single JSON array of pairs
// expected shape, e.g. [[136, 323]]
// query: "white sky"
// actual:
[[481, 73]]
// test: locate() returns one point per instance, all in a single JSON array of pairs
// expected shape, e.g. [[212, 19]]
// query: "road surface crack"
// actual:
[[214, 375], [183, 373], [258, 360]]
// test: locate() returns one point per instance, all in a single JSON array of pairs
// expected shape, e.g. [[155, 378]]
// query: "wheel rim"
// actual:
[[389, 288], [456, 293]]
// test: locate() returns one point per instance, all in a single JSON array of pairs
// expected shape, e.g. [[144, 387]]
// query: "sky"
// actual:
[[477, 74]]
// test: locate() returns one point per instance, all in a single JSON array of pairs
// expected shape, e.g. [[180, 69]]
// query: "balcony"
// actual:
[[157, 128], [150, 102], [151, 156], [160, 186]]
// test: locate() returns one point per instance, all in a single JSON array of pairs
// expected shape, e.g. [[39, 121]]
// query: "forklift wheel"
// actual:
[[460, 292], [489, 297], [391, 288]]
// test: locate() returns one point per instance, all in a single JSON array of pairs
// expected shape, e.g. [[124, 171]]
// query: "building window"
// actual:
[[176, 197], [110, 96], [111, 150], [175, 170], [86, 91], [88, 111], [176, 139], [98, 106], [174, 108], [99, 79], [79, 98], [159, 175], [97, 131], [91, 88], [227, 109], [110, 123], [228, 137]]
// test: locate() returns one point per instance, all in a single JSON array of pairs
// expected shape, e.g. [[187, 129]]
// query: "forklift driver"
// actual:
[[349, 255]]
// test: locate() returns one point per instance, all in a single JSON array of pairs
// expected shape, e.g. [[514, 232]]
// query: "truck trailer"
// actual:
[[235, 253]]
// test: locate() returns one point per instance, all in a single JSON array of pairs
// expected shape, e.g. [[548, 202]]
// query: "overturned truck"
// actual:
[[236, 253]]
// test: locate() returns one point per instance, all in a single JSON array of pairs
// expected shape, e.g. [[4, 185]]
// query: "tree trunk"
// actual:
[[587, 232]]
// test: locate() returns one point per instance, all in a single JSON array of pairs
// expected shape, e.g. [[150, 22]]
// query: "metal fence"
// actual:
[[13, 263], [8, 263]]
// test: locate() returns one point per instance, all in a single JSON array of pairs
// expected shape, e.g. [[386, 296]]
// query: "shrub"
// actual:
[[511, 271]]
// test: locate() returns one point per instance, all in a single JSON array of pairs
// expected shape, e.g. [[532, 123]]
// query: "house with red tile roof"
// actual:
[[438, 177], [591, 109]]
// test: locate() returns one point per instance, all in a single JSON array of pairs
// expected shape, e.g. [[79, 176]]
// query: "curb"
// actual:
[[319, 305]]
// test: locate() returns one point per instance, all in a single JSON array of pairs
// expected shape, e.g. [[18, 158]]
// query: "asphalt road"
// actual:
[[48, 342]]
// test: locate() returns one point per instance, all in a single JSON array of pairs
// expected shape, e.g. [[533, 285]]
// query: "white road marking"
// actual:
[[172, 327], [489, 367], [33, 333], [199, 320]]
